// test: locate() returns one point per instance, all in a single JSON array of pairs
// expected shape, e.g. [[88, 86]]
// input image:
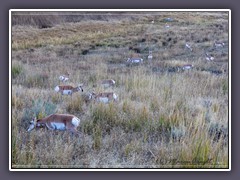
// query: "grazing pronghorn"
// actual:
[[187, 67], [208, 57], [108, 83], [104, 97], [167, 26], [188, 46], [64, 78], [68, 90], [150, 56], [134, 60], [56, 122], [218, 44]]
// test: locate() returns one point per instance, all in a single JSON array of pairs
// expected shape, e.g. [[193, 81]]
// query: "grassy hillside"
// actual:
[[164, 117]]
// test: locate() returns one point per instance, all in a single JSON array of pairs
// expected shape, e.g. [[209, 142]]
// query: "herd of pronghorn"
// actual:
[[67, 121], [71, 122]]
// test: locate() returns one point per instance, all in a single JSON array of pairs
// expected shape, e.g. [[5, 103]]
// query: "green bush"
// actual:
[[16, 70]]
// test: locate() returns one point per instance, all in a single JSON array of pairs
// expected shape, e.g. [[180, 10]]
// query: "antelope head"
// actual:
[[35, 123], [80, 87], [32, 124]]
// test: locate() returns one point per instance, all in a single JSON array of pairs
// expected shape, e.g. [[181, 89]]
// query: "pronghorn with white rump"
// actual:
[[218, 44], [64, 78], [56, 122], [150, 56], [134, 60], [108, 83], [104, 97], [67, 89]]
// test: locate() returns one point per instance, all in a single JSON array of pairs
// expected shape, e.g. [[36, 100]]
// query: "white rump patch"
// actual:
[[57, 89], [75, 121], [136, 61], [103, 99], [106, 85], [58, 126], [114, 96]]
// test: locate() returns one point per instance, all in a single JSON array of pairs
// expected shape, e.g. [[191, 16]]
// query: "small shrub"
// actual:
[[105, 115], [75, 105], [17, 102], [39, 109], [225, 87], [97, 138], [16, 70]]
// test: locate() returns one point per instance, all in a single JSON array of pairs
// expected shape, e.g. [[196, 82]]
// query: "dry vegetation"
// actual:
[[162, 119]]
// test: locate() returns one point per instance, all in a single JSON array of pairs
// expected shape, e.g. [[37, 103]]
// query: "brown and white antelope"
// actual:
[[218, 44], [64, 78], [167, 26], [108, 83], [188, 46], [209, 57], [67, 89], [134, 60], [104, 97], [187, 67], [150, 56], [56, 122]]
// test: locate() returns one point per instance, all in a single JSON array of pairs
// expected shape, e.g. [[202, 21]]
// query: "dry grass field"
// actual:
[[165, 117]]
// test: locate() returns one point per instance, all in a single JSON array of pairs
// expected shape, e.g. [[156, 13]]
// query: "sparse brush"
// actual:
[[97, 138], [37, 80], [17, 69]]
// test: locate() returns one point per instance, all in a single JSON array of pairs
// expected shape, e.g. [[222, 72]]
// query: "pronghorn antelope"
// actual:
[[68, 90], [188, 46], [108, 83], [218, 44], [134, 60], [56, 122], [64, 78], [208, 57], [150, 56], [167, 26], [104, 97], [187, 67]]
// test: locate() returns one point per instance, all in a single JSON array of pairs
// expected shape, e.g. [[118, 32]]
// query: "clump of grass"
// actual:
[[17, 102], [225, 87], [97, 138], [132, 148], [37, 80], [105, 116], [17, 69], [75, 105], [198, 157]]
